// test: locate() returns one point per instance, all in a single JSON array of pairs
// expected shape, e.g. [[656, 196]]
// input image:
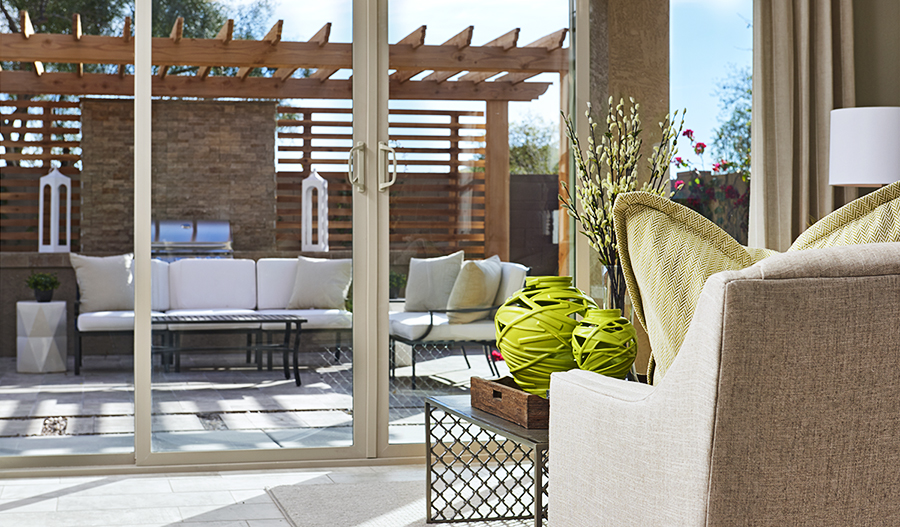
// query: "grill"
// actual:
[[176, 239]]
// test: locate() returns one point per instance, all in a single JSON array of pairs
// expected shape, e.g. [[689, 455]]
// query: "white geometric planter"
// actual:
[[40, 336]]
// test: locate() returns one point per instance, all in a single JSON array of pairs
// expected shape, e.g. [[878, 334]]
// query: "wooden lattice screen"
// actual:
[[35, 136], [437, 205]]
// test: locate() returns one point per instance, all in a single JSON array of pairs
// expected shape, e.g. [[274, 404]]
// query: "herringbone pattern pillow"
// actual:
[[873, 218], [668, 251]]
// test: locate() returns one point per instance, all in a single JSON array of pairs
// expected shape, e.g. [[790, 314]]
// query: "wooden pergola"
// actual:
[[496, 72], [408, 57]]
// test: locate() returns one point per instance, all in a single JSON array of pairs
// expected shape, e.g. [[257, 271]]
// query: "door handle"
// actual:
[[383, 182], [357, 173]]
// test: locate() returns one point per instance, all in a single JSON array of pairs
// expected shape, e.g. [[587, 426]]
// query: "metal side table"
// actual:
[[481, 467]]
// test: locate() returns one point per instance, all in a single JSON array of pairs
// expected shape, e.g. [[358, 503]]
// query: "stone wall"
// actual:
[[210, 160]]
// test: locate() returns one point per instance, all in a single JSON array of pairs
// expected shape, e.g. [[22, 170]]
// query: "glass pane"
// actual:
[[478, 173], [54, 401], [247, 176]]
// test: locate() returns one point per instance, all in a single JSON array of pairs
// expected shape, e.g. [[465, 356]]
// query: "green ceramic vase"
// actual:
[[604, 342], [534, 330]]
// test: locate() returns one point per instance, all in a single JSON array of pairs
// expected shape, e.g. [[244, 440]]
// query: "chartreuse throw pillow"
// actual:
[[668, 251], [873, 218]]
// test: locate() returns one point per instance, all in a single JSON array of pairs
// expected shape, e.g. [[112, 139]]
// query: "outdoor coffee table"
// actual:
[[481, 467], [219, 324]]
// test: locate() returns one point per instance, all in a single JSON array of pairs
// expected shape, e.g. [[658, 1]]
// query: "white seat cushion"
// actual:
[[412, 326], [315, 318], [275, 279], [110, 321], [199, 283], [212, 312]]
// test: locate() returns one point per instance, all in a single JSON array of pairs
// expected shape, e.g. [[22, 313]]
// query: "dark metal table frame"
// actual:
[[171, 349], [466, 452]]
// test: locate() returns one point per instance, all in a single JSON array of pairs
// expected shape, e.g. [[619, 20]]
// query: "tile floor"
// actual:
[[209, 405], [217, 499]]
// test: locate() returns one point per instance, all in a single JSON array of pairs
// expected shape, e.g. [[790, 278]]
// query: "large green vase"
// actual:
[[604, 342], [534, 330]]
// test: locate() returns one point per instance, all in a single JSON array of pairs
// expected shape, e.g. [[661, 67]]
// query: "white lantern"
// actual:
[[317, 183], [55, 180]]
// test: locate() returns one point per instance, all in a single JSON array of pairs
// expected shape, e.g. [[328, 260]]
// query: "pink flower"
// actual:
[[699, 148], [688, 133], [680, 162], [679, 184]]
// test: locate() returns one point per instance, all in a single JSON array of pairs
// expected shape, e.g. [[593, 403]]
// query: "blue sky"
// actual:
[[707, 38]]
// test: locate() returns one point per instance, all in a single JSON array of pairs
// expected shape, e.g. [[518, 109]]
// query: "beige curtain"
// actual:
[[802, 69]]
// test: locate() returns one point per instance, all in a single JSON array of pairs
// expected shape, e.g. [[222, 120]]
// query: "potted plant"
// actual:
[[43, 285]]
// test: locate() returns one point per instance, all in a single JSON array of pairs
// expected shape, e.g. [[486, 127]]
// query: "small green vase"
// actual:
[[604, 342], [534, 330]]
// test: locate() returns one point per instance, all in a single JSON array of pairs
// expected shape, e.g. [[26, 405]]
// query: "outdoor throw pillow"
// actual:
[[476, 286], [321, 283], [873, 218], [104, 283], [431, 280], [668, 251]]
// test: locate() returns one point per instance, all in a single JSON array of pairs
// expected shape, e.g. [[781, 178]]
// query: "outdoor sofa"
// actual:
[[312, 289]]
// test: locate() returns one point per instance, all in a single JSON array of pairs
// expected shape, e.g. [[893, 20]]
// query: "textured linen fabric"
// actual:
[[321, 283], [476, 286], [667, 252], [104, 283], [431, 280], [873, 218], [780, 409]]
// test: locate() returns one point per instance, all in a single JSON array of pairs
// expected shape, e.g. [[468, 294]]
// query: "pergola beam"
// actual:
[[260, 87], [27, 32], [224, 36], [94, 49], [504, 42], [320, 38], [550, 42], [176, 36], [461, 40], [126, 41], [76, 32]]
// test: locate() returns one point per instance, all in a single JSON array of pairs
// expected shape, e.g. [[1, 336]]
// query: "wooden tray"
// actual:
[[505, 399]]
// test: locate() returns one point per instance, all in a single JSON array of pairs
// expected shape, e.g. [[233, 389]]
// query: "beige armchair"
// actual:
[[782, 407]]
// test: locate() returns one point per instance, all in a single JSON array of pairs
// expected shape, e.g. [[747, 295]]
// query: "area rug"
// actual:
[[370, 504]]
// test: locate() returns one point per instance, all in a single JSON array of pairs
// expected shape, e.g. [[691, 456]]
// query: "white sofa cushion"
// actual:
[[321, 283], [511, 280], [104, 283], [275, 279], [159, 285], [431, 280], [476, 286], [212, 312], [412, 326], [315, 318], [110, 321], [199, 283]]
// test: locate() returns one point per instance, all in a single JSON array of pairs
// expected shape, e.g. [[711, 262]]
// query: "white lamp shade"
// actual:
[[865, 146]]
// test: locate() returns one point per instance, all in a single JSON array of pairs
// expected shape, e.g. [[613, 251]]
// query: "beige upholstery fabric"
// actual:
[[475, 286], [873, 218], [780, 408], [104, 283], [668, 251]]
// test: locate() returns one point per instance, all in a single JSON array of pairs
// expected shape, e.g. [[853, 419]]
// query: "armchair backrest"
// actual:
[[806, 420]]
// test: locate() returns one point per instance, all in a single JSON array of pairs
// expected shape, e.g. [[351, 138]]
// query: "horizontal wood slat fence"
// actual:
[[437, 204], [33, 134]]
